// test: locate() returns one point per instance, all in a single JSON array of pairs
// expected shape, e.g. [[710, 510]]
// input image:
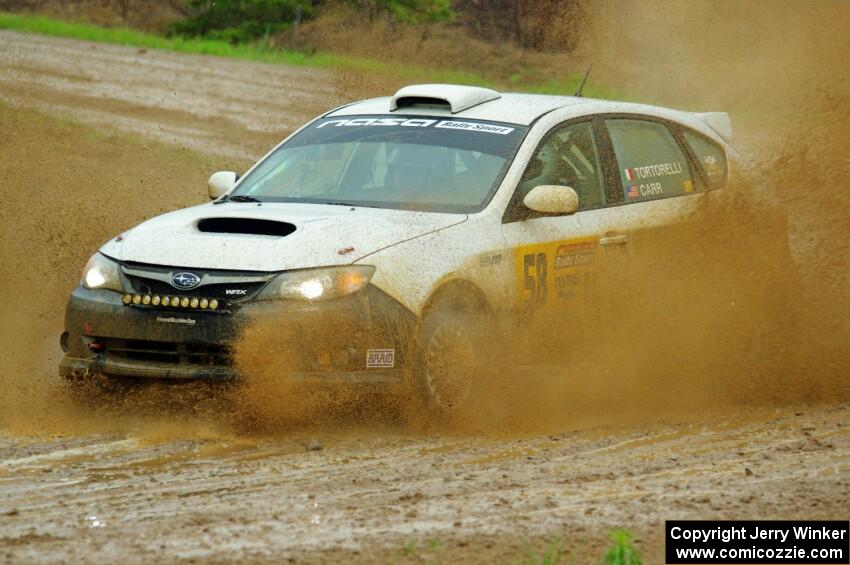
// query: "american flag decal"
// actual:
[[630, 174], [633, 192]]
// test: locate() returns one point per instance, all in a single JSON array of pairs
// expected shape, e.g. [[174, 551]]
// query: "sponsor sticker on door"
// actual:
[[556, 273], [380, 359]]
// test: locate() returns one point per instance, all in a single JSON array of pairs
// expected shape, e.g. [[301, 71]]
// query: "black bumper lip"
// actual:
[[135, 369], [101, 315], [71, 365]]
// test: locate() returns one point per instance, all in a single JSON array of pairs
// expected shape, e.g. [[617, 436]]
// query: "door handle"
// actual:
[[619, 239]]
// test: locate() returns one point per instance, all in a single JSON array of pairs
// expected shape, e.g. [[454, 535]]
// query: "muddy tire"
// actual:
[[452, 362]]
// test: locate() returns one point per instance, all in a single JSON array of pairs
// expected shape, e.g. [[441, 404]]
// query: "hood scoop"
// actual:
[[249, 226]]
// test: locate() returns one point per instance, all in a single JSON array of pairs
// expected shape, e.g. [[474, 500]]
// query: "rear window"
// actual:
[[711, 157], [650, 161]]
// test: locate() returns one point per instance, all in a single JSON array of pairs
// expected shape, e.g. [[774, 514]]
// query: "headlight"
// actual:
[[318, 284], [101, 272]]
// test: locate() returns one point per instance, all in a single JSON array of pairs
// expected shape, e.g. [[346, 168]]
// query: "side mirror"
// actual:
[[221, 182], [551, 199]]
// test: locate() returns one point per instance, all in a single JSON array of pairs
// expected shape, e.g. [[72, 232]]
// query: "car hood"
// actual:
[[324, 235]]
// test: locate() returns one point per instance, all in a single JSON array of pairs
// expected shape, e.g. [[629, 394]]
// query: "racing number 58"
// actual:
[[535, 283]]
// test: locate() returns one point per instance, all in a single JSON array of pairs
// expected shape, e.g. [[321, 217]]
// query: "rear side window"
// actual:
[[712, 158], [650, 162]]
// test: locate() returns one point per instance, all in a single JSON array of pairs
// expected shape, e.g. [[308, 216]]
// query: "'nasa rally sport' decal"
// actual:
[[473, 126], [418, 123]]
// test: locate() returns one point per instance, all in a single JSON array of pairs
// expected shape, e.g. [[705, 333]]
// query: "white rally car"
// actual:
[[369, 233]]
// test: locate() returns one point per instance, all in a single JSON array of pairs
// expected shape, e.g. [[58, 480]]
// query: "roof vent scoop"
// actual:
[[249, 226], [458, 98]]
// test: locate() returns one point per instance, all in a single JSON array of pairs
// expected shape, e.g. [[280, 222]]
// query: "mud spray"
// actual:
[[687, 341], [723, 314], [66, 189]]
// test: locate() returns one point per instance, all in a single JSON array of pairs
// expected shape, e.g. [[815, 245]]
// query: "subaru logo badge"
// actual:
[[185, 281]]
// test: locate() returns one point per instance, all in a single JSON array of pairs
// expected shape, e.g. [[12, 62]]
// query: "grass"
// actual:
[[425, 553], [622, 550], [552, 554], [264, 53]]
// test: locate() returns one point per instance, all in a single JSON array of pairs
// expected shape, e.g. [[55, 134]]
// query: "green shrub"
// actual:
[[407, 11], [419, 11], [622, 551], [238, 21]]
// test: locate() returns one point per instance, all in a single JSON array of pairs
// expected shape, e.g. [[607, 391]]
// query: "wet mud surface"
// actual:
[[366, 493], [134, 485]]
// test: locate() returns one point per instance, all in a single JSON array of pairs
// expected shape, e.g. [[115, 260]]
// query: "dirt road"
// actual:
[[368, 493], [88, 487], [213, 105]]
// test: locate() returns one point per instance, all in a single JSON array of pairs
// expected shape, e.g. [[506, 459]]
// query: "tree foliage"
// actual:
[[540, 25], [408, 11], [239, 20], [245, 20]]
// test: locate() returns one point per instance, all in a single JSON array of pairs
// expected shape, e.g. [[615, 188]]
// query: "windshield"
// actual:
[[413, 163]]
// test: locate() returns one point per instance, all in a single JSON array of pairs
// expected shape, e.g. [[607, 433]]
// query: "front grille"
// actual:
[[167, 352], [220, 291]]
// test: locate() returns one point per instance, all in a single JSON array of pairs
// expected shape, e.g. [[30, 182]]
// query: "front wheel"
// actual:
[[451, 361]]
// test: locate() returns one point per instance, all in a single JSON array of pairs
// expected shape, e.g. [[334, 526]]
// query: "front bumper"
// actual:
[[324, 342]]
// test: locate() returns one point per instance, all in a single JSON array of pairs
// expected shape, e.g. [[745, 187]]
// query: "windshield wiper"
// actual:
[[352, 204], [239, 198]]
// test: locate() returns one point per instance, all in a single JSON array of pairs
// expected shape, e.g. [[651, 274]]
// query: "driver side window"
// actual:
[[568, 156]]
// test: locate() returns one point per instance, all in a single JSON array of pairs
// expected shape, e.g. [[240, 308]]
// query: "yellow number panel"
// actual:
[[555, 273]]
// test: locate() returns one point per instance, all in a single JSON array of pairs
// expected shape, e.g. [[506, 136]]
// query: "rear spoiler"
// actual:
[[719, 122]]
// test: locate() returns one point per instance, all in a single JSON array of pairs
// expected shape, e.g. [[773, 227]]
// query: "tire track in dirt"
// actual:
[[228, 497], [209, 104]]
